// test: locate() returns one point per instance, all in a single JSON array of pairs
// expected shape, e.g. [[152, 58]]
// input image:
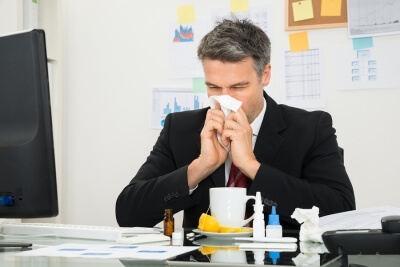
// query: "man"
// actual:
[[290, 155]]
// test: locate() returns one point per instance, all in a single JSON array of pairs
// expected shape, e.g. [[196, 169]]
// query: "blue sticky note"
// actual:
[[362, 43]]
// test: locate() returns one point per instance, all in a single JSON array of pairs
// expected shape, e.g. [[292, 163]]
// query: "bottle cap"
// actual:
[[273, 218], [274, 255], [177, 235], [258, 199], [258, 208], [177, 238]]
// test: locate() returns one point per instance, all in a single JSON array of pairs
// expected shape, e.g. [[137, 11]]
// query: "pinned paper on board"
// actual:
[[331, 8], [302, 10], [239, 6], [303, 79], [186, 14], [298, 41]]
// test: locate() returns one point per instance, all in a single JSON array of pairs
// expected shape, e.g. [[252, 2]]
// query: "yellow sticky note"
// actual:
[[302, 10], [186, 14], [331, 7], [298, 41], [239, 6]]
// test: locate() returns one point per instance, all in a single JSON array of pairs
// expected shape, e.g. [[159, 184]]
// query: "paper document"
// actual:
[[115, 251], [369, 218]]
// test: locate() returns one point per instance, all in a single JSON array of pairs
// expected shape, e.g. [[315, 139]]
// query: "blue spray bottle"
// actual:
[[273, 229]]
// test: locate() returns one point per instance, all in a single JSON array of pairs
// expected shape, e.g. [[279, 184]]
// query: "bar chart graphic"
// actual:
[[171, 100], [184, 34]]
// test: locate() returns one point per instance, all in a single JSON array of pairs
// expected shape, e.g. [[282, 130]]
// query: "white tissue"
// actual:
[[307, 260], [309, 230], [228, 104], [312, 248]]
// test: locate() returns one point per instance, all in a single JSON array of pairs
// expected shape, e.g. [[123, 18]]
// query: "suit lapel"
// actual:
[[269, 139]]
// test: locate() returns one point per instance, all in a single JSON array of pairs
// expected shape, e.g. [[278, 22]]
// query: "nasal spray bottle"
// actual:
[[273, 229], [258, 222]]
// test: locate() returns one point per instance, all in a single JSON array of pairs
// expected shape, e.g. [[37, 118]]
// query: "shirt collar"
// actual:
[[256, 124]]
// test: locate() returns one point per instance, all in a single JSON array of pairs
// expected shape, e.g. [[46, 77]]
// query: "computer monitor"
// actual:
[[28, 187]]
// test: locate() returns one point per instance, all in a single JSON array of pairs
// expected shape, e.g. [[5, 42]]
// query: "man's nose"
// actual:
[[225, 91]]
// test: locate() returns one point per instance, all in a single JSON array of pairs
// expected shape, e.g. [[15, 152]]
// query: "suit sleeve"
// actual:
[[159, 184], [321, 181]]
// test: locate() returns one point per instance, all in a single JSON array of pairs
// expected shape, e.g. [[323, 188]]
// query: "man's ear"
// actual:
[[266, 75]]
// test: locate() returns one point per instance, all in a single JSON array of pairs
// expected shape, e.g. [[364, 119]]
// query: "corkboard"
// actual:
[[318, 21]]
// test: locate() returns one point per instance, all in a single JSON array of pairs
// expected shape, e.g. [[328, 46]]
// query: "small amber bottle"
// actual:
[[168, 223]]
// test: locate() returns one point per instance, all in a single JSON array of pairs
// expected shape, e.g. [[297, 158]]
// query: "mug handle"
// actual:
[[244, 222]]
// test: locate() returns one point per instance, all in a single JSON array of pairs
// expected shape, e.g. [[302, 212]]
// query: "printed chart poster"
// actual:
[[183, 42], [373, 17], [369, 68], [170, 100], [303, 79]]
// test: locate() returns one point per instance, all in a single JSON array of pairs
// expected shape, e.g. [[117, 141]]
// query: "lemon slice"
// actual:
[[227, 229], [208, 223]]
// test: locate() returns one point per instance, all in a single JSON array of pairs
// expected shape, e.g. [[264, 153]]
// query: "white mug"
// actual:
[[228, 206]]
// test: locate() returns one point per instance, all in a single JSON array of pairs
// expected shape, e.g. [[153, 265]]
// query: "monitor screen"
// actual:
[[28, 186]]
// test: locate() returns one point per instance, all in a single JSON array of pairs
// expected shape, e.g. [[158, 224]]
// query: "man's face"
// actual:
[[239, 80]]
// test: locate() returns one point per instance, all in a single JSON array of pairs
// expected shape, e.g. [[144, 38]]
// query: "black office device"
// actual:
[[28, 187], [366, 241]]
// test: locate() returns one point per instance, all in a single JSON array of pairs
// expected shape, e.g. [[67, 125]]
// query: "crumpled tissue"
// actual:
[[228, 104], [307, 260], [309, 229], [313, 247]]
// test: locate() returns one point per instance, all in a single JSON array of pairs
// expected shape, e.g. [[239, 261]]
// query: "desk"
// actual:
[[9, 259]]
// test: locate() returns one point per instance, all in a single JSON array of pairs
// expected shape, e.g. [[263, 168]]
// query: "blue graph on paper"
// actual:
[[179, 108], [166, 101]]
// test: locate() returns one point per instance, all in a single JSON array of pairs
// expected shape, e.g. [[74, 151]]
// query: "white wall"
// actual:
[[10, 19], [112, 54]]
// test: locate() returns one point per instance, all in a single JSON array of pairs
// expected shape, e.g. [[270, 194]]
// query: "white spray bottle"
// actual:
[[258, 221]]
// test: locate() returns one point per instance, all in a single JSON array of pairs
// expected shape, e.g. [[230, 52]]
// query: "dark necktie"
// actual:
[[236, 178]]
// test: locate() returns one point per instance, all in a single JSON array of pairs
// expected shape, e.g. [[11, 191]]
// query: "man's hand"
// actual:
[[212, 153], [239, 133]]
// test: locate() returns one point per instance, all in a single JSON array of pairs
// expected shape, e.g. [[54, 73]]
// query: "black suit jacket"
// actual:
[[301, 166]]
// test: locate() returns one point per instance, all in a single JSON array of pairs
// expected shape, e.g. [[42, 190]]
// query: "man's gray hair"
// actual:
[[235, 40]]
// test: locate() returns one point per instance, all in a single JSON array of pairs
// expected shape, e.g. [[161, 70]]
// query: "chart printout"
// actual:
[[303, 85], [373, 17], [169, 100]]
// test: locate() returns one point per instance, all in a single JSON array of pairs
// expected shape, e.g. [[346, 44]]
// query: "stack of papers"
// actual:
[[369, 218]]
